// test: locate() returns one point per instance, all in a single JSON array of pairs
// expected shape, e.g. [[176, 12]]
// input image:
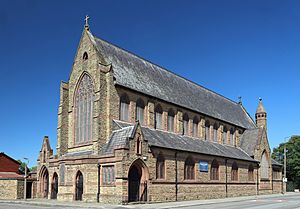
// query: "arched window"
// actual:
[[234, 172], [138, 146], [214, 171], [224, 135], [158, 117], [189, 169], [250, 173], [84, 99], [207, 131], [171, 120], [140, 107], [185, 124], [54, 186], [160, 167], [79, 186], [85, 56], [232, 136], [124, 108], [215, 133], [195, 127], [264, 168]]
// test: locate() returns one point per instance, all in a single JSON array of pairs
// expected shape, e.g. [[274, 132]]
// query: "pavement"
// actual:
[[45, 203]]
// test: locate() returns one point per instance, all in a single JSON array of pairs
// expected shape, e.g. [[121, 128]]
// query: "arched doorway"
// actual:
[[137, 181], [44, 185], [79, 186], [54, 186]]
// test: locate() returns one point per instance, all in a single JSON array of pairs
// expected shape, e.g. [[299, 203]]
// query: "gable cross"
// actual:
[[86, 20]]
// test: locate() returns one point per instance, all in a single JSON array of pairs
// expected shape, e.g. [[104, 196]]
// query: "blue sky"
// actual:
[[236, 48]]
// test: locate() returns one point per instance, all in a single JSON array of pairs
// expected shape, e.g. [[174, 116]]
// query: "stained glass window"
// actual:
[[84, 98]]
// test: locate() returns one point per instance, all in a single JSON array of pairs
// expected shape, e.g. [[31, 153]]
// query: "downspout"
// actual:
[[98, 192], [176, 178], [226, 187], [272, 181], [257, 180]]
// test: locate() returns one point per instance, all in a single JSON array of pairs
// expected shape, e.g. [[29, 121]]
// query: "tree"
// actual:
[[22, 166], [293, 159]]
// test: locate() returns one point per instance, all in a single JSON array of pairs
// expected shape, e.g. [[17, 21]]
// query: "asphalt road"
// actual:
[[269, 202], [284, 202]]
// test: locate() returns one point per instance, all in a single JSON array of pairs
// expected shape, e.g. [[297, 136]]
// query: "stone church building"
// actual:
[[130, 130]]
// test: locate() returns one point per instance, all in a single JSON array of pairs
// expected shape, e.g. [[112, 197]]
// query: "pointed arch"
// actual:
[[85, 56], [138, 175], [83, 109], [264, 168], [44, 182], [54, 186], [78, 185]]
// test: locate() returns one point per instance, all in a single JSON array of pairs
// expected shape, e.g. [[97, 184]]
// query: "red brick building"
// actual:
[[12, 179]]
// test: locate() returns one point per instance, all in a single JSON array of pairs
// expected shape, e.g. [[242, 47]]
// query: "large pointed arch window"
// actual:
[[264, 168], [84, 98]]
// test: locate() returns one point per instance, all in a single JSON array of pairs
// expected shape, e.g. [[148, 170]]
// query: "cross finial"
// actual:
[[240, 99], [86, 21]]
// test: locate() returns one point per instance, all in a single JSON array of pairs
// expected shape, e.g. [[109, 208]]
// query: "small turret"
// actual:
[[261, 115]]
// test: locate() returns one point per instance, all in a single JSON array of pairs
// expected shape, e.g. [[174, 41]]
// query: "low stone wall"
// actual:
[[11, 189]]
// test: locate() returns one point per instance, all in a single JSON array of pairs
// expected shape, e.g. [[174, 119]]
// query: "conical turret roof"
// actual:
[[260, 107]]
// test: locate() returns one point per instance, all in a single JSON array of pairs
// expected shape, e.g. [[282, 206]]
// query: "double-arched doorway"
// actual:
[[44, 182], [78, 186], [138, 176], [54, 186]]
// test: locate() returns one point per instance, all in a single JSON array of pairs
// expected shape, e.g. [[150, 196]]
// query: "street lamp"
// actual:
[[25, 177], [284, 164]]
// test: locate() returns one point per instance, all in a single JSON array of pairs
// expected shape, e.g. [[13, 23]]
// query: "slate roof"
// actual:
[[10, 175], [274, 162], [119, 139], [169, 140], [78, 153], [249, 140], [136, 73]]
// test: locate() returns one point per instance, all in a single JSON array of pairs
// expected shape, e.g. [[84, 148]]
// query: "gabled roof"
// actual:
[[250, 139], [138, 74], [10, 158], [158, 138], [275, 163]]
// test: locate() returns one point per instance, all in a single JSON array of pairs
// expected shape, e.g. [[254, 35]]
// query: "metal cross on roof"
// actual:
[[86, 20]]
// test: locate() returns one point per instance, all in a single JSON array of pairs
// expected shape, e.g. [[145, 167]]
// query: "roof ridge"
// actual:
[[165, 69]]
